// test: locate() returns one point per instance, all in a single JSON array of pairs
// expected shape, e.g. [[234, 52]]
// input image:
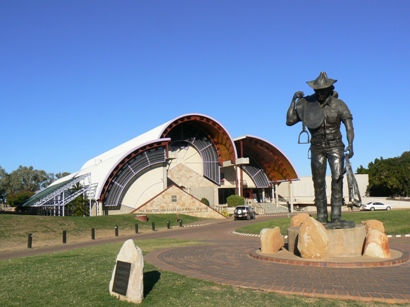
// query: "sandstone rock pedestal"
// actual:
[[373, 224], [377, 244], [298, 219], [313, 240], [342, 242], [271, 240]]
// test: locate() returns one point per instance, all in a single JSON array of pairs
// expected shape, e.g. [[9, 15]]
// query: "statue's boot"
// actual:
[[321, 206], [336, 213], [336, 218]]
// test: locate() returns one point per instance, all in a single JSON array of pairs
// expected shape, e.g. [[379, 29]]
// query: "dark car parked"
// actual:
[[244, 212]]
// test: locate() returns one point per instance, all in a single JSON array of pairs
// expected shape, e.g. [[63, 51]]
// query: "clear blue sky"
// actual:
[[79, 77]]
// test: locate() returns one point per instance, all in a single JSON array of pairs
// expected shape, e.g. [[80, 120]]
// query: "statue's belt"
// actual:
[[311, 113], [322, 137], [320, 143]]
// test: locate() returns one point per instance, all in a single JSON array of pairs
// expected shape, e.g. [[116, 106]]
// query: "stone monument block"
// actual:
[[271, 240], [313, 239], [127, 281], [377, 244], [298, 219]]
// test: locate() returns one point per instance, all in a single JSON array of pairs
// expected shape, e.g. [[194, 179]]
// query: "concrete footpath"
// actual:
[[227, 259]]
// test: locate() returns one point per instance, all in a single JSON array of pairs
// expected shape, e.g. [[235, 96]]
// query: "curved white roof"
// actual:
[[101, 166]]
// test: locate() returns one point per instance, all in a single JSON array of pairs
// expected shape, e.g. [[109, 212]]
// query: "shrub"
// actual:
[[79, 207], [235, 200], [19, 198], [205, 201], [225, 213]]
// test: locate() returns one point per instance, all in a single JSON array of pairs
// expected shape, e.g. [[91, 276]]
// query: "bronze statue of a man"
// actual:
[[322, 113]]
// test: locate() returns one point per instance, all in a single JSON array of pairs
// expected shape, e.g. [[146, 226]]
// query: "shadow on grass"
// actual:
[[150, 279]]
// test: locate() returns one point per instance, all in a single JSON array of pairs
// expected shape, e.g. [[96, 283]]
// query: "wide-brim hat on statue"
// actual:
[[321, 82]]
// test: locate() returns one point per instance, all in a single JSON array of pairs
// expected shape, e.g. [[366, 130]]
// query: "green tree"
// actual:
[[18, 198], [24, 182], [362, 170], [28, 179], [4, 179], [61, 175], [390, 177], [79, 206], [18, 186]]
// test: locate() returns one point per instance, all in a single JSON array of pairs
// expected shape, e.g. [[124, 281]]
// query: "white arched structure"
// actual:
[[190, 151]]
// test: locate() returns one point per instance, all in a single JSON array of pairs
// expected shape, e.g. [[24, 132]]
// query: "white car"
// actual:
[[376, 206]]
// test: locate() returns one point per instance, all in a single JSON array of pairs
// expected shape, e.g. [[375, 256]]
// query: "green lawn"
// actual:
[[395, 221], [47, 230], [81, 277]]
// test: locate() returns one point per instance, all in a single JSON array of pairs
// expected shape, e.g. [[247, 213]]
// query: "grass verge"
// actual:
[[395, 222], [47, 230]]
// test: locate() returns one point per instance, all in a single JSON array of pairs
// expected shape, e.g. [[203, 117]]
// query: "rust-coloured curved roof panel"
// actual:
[[275, 164], [214, 130]]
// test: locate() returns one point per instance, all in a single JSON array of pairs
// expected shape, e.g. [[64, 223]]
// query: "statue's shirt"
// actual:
[[335, 111]]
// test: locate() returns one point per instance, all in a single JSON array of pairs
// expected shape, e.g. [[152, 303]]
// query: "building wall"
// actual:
[[176, 200], [303, 192], [144, 188], [210, 193], [188, 156], [229, 180], [192, 182], [185, 170], [247, 180]]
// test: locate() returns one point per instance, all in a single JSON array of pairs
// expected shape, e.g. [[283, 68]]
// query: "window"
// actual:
[[174, 198]]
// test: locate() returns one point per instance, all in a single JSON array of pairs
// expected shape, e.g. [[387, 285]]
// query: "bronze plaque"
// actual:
[[121, 277]]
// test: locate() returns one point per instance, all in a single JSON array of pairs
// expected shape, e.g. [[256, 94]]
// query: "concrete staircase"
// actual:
[[270, 208]]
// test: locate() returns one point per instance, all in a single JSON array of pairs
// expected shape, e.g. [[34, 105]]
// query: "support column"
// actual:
[[276, 195], [238, 181], [291, 195], [241, 182], [97, 207]]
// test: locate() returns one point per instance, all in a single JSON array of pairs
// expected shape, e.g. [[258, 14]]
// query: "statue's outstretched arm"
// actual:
[[292, 116]]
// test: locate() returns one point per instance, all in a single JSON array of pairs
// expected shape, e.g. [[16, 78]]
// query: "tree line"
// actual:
[[24, 182], [388, 177]]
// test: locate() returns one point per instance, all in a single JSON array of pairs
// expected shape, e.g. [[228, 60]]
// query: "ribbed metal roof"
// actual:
[[267, 156]]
